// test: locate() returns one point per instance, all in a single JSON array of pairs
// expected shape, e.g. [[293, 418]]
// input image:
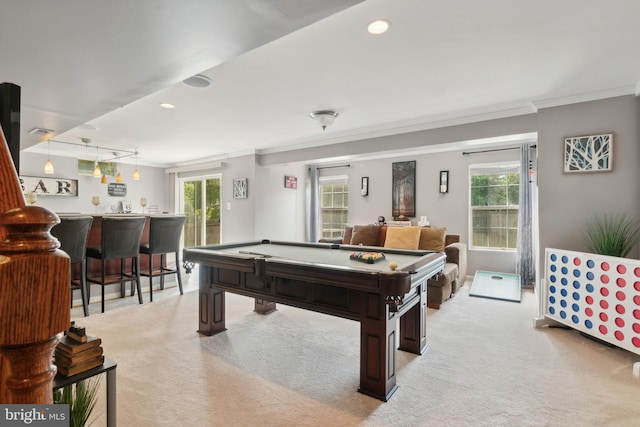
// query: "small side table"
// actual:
[[109, 367]]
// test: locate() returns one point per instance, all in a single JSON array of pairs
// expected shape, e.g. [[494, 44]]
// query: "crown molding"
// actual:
[[586, 96]]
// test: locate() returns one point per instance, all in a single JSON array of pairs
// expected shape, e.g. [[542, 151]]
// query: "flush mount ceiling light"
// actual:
[[198, 81], [324, 117], [167, 105], [379, 26]]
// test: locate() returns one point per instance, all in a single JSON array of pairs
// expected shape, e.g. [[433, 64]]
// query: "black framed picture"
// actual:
[[444, 182], [403, 189], [364, 186]]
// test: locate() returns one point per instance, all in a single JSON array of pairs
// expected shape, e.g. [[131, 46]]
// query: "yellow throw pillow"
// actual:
[[432, 239], [402, 237], [366, 235]]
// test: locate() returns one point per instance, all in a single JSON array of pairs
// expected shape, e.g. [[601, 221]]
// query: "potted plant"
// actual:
[[613, 235], [81, 400]]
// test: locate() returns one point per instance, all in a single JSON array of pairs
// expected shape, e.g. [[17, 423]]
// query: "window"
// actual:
[[334, 205], [494, 192]]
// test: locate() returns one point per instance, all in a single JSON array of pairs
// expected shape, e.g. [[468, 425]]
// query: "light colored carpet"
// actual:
[[486, 366]]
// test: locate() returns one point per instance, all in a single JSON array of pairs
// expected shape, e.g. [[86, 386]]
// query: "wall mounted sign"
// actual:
[[117, 189], [290, 182], [49, 186], [592, 153], [240, 188]]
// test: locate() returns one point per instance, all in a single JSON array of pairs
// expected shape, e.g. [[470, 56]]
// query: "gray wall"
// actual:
[[569, 201], [153, 185]]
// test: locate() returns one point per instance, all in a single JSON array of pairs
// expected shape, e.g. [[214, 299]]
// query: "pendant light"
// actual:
[[136, 172], [118, 174], [97, 172], [48, 167]]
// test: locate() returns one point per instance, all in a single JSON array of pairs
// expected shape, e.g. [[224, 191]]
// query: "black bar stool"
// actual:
[[72, 232], [164, 238], [120, 240]]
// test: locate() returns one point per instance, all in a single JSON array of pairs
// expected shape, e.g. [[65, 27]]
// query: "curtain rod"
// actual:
[[336, 166], [466, 153]]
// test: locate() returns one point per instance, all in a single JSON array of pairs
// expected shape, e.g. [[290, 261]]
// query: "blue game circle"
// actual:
[[553, 268], [575, 307], [576, 296], [552, 299], [563, 292], [576, 272], [563, 314], [590, 275], [552, 310], [554, 257], [552, 289], [563, 303], [564, 270], [552, 279], [575, 319], [565, 259], [564, 281], [590, 287], [576, 284], [588, 324], [590, 264]]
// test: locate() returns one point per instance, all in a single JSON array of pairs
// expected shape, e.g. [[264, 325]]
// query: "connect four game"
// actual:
[[598, 295]]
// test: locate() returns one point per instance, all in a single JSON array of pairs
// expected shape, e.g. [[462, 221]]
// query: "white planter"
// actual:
[[596, 294]]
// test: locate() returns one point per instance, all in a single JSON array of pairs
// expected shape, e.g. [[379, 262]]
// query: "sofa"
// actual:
[[442, 286]]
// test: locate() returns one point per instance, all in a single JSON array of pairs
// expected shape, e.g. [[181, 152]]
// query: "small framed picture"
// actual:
[[364, 186], [591, 153], [240, 188]]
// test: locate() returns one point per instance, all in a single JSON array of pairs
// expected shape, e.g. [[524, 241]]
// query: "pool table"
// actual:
[[323, 277]]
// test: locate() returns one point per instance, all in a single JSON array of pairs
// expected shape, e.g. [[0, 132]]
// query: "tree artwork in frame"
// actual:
[[403, 189], [591, 153]]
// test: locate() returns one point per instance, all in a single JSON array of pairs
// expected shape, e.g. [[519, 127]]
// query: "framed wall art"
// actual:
[[240, 188], [591, 153], [364, 186], [403, 189]]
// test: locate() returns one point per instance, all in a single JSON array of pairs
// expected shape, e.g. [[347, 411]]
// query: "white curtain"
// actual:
[[313, 221], [525, 262]]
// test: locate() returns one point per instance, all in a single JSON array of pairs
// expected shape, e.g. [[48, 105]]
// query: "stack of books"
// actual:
[[78, 352]]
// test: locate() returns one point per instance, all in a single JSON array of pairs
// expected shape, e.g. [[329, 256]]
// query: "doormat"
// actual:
[[500, 286]]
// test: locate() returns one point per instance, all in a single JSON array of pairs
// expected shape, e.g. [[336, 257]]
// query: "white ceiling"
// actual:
[[90, 64]]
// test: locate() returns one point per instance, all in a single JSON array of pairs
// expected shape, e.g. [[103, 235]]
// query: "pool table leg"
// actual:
[[211, 315], [377, 348], [262, 306], [413, 325]]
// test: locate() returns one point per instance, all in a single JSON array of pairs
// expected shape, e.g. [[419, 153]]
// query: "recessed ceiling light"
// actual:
[[378, 26], [167, 105]]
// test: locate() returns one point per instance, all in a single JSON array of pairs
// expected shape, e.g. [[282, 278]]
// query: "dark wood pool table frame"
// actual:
[[376, 298]]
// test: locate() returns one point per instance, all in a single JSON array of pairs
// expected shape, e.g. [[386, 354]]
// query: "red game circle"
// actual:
[[605, 266], [621, 269], [603, 330], [621, 296], [635, 341], [589, 299], [576, 261], [621, 282], [636, 314], [636, 328], [604, 317], [588, 311], [604, 292], [636, 271], [636, 285], [620, 309], [604, 279], [619, 322], [604, 304], [619, 335], [636, 299]]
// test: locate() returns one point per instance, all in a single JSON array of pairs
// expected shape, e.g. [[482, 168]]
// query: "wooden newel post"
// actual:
[[34, 293]]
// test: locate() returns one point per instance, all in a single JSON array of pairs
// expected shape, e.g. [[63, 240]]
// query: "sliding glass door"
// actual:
[[200, 202]]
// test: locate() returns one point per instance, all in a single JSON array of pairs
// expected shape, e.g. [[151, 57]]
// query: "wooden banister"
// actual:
[[34, 292]]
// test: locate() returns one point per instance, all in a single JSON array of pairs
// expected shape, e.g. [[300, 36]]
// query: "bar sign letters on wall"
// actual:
[[49, 186]]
